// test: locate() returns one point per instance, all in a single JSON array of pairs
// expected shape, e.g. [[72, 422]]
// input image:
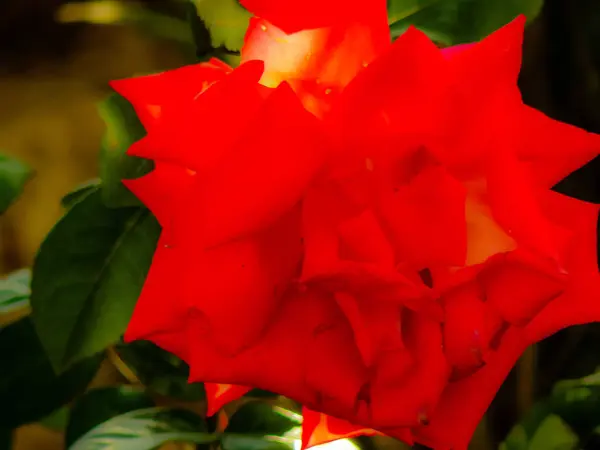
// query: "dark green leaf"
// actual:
[[247, 442], [259, 417], [29, 388], [13, 176], [99, 405], [259, 393], [160, 371], [452, 22], [88, 275], [15, 291], [80, 192], [145, 429], [5, 439], [123, 128], [226, 21]]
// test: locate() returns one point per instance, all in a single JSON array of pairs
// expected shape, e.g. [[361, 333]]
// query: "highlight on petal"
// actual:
[[218, 395], [317, 63]]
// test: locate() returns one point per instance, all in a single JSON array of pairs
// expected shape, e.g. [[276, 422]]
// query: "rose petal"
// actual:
[[161, 191], [218, 395], [464, 402], [285, 356], [319, 428], [409, 400], [177, 140], [266, 175], [242, 282], [553, 149], [153, 96]]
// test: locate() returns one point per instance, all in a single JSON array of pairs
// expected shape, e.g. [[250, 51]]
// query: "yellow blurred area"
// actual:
[[48, 119]]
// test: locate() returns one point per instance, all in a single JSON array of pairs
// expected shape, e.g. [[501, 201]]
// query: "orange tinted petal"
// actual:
[[218, 395], [318, 63], [319, 428]]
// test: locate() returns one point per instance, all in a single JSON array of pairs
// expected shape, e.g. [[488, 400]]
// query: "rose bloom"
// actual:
[[364, 227]]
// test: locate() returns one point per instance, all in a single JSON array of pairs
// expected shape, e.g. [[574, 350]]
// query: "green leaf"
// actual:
[[452, 22], [145, 429], [123, 128], [80, 192], [226, 21], [554, 434], [13, 176], [15, 291], [260, 417], [99, 405], [29, 387], [160, 371], [87, 277]]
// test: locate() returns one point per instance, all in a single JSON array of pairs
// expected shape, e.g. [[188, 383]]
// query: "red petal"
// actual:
[[319, 428], [386, 99], [405, 401], [300, 340], [153, 96], [518, 290], [218, 395], [425, 218], [297, 15], [376, 325], [496, 59], [161, 190], [464, 402], [579, 303], [266, 175], [514, 202], [469, 327], [260, 267], [225, 106], [553, 149], [152, 314]]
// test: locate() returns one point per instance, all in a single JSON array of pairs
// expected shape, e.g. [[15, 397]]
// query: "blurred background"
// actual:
[[56, 58]]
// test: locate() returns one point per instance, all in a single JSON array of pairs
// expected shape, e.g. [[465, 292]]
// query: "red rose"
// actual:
[[384, 264]]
